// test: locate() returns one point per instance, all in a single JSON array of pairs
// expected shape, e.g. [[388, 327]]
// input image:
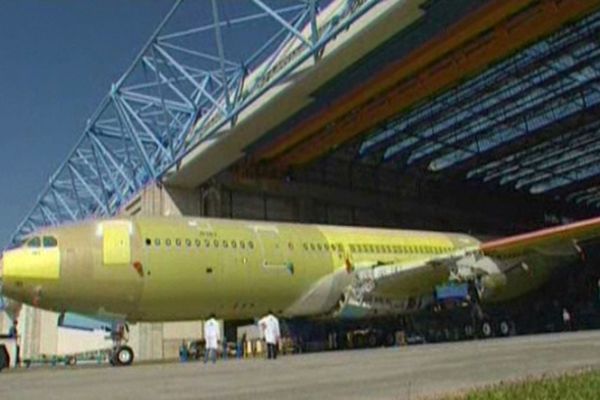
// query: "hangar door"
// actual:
[[116, 242]]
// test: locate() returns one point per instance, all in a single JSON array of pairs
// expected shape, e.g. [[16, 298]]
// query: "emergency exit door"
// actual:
[[275, 257]]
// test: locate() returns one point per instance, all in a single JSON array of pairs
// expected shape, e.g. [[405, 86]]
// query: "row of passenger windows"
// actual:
[[234, 244], [321, 246], [398, 249], [354, 248]]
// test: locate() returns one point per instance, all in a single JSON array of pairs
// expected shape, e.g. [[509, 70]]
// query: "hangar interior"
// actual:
[[478, 116]]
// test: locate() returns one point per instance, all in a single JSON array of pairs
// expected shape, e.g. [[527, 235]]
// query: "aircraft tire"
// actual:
[[122, 356], [359, 341], [504, 327], [390, 339], [486, 329], [4, 358], [468, 331], [372, 339]]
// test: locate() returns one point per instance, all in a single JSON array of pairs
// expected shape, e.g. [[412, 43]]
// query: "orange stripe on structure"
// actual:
[[514, 32], [578, 230], [475, 23]]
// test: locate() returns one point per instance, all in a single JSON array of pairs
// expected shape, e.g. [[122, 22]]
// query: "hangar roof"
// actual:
[[529, 122]]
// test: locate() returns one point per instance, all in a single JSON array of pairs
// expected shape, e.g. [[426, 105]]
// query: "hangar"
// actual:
[[466, 115]]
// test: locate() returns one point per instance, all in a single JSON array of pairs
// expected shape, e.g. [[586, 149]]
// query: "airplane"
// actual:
[[140, 269]]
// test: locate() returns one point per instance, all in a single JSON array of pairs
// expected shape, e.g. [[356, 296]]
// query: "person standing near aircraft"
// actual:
[[212, 337], [269, 326]]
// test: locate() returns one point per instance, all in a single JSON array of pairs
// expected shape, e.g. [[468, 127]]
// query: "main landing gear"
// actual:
[[121, 354]]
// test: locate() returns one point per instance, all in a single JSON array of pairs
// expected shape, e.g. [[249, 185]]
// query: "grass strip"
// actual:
[[580, 385]]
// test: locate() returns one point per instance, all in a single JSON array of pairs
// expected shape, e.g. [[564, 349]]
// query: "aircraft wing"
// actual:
[[572, 236], [503, 268]]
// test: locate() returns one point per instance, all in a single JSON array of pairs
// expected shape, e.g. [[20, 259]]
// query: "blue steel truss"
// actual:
[[187, 83], [530, 122]]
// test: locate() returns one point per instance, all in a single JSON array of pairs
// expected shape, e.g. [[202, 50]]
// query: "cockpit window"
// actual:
[[34, 242], [50, 241]]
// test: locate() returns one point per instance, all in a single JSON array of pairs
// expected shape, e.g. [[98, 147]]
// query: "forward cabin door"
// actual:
[[121, 272]]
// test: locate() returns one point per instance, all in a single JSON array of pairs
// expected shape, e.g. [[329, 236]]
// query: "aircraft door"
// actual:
[[116, 243], [274, 253], [120, 269]]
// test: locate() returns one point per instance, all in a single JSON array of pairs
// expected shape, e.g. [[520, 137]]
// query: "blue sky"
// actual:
[[57, 61]]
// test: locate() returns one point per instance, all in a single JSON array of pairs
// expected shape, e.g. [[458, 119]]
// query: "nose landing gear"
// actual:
[[121, 354]]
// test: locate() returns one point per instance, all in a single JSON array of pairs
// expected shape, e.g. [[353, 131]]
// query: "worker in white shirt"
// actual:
[[212, 337], [269, 326]]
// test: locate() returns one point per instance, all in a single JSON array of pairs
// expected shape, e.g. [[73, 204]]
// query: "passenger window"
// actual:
[[50, 241], [206, 243], [319, 247], [216, 243], [312, 246], [178, 242], [168, 242], [148, 241], [326, 245], [198, 242], [188, 242], [242, 244], [305, 246], [352, 248], [225, 244], [250, 245], [291, 245], [157, 242], [233, 244]]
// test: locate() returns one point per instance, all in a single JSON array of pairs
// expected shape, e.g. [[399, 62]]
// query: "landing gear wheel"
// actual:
[[372, 339], [468, 330], [71, 361], [486, 329], [504, 328], [390, 339], [122, 356]]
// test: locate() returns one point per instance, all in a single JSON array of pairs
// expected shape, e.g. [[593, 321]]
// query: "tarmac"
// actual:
[[411, 372]]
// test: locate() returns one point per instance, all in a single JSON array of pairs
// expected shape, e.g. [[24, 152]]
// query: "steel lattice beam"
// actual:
[[185, 84]]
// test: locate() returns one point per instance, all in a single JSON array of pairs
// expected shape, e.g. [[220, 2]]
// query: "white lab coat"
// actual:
[[212, 334], [269, 326]]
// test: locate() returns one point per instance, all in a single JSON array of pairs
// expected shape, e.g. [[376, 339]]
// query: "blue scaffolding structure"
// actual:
[[529, 122], [187, 83]]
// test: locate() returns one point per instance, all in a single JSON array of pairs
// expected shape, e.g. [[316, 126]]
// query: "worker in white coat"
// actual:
[[269, 325], [212, 337]]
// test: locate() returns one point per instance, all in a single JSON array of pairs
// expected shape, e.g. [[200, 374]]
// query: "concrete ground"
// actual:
[[386, 373]]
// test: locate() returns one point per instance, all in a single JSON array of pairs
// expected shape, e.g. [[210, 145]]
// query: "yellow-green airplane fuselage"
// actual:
[[159, 269]]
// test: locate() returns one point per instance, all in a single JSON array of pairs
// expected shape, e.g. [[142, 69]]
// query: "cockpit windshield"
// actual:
[[34, 242], [50, 241]]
